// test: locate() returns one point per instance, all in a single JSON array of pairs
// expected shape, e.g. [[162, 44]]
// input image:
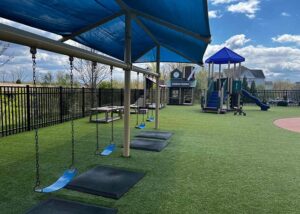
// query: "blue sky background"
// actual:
[[273, 18], [265, 32]]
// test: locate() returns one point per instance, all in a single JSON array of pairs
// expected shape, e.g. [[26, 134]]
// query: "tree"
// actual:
[[3, 75], [62, 79], [283, 85], [84, 71], [105, 84], [47, 79], [245, 84], [253, 88], [18, 75], [260, 87], [201, 78], [165, 71], [4, 59]]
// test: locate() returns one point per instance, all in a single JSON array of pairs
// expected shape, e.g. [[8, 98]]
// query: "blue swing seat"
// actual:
[[150, 119], [108, 150], [61, 182], [141, 126]]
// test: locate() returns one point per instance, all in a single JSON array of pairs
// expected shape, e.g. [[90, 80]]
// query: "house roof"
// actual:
[[257, 73]]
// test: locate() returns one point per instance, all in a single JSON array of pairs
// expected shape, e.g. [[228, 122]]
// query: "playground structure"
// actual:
[[182, 86], [134, 33], [224, 93]]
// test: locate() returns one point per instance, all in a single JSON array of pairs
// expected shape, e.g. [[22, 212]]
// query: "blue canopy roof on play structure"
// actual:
[[224, 56], [180, 27]]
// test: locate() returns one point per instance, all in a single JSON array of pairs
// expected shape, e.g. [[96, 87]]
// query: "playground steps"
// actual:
[[214, 110], [213, 100], [213, 104]]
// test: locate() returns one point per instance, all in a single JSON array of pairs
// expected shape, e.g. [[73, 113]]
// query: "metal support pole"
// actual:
[[239, 96], [145, 91], [208, 76], [219, 76], [234, 73], [17, 36], [228, 87], [220, 89], [212, 70], [208, 84], [126, 140], [157, 103], [240, 70]]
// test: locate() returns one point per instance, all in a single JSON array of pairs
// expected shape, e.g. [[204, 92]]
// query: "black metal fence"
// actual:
[[54, 105], [273, 97]]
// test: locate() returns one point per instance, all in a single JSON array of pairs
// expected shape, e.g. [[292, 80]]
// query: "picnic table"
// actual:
[[108, 114]]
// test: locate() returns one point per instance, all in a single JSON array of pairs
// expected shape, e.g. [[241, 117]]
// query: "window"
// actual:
[[175, 93]]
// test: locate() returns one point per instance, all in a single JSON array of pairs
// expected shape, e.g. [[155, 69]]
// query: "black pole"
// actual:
[[83, 102], [61, 104], [28, 107]]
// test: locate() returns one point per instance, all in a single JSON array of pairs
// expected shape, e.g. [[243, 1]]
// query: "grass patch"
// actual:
[[214, 164]]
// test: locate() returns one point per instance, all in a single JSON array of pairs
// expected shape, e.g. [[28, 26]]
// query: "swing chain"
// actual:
[[112, 104], [35, 119], [94, 87], [136, 97], [71, 59]]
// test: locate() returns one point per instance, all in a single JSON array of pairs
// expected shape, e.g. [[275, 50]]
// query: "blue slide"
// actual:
[[263, 107]]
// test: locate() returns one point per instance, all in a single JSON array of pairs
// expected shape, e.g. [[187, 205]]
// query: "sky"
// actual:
[[265, 32]]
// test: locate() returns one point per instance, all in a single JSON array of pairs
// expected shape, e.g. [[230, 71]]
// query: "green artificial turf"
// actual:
[[213, 164]]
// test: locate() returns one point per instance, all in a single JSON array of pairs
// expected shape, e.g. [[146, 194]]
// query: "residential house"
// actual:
[[255, 75]]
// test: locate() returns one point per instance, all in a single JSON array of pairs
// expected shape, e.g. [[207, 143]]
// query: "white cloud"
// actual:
[[249, 8], [287, 38], [277, 62], [215, 2], [285, 14], [236, 41], [214, 14]]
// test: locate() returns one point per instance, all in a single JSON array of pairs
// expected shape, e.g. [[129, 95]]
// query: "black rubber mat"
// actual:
[[148, 144], [155, 135], [106, 181], [58, 206]]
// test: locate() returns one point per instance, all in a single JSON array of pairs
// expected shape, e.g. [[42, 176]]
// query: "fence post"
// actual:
[[83, 102], [28, 107], [1, 107], [61, 116], [122, 97], [99, 97]]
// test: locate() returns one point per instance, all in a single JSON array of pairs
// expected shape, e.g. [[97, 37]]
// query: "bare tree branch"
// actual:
[[4, 59], [84, 71]]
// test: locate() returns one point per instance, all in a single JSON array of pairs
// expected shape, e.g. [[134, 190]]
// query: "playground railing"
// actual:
[[273, 97], [54, 104]]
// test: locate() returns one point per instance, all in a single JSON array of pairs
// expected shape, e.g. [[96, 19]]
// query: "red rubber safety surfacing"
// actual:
[[291, 124]]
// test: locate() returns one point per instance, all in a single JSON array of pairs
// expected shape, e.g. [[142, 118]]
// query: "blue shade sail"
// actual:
[[178, 26], [188, 14], [224, 56], [167, 55]]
